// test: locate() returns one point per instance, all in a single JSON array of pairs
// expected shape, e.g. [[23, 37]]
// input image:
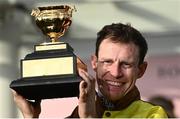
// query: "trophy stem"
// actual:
[[53, 40], [54, 36]]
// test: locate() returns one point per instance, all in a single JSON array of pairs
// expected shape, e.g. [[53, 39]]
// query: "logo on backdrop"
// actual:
[[168, 72]]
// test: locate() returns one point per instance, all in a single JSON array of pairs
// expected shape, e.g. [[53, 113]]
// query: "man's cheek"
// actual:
[[101, 72]]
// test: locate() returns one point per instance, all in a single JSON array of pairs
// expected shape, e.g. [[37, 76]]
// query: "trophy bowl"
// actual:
[[53, 20]]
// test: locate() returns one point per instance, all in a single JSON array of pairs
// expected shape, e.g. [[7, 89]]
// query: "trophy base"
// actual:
[[47, 87]]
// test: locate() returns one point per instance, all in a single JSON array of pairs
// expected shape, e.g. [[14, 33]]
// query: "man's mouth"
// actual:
[[114, 83]]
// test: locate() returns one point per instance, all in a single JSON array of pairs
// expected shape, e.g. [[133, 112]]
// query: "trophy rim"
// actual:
[[54, 7]]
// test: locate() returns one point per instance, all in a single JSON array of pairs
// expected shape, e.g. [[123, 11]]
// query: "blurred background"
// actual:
[[158, 20]]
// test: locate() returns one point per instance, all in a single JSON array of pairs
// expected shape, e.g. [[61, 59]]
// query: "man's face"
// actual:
[[116, 68]]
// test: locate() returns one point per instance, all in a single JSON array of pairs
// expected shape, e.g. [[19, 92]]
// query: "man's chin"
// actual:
[[115, 98]]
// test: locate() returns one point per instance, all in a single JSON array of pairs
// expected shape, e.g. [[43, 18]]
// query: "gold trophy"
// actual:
[[51, 70]]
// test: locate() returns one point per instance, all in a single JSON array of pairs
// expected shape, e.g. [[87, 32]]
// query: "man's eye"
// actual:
[[126, 65], [106, 62]]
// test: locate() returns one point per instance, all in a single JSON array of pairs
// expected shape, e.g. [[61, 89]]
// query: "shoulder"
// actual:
[[148, 110], [138, 109]]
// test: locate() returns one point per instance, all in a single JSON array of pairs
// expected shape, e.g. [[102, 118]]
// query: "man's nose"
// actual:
[[115, 70]]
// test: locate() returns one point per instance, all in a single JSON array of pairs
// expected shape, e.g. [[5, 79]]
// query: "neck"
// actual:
[[122, 103]]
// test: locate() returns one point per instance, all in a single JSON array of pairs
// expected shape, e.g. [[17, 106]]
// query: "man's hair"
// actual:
[[123, 33]]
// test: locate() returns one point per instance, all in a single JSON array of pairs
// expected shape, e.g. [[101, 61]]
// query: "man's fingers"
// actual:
[[88, 78], [86, 95], [17, 97], [85, 78], [27, 107], [87, 85]]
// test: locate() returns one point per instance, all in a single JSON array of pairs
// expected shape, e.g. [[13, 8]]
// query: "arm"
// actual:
[[28, 109]]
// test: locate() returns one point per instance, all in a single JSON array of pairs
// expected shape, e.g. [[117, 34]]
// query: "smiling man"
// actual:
[[118, 63]]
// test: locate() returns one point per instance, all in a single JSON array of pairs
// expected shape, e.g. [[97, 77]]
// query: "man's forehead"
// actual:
[[108, 48], [108, 42]]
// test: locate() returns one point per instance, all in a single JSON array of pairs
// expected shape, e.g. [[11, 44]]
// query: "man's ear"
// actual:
[[142, 69], [94, 62]]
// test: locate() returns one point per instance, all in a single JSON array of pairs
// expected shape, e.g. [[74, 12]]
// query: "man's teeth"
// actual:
[[114, 83]]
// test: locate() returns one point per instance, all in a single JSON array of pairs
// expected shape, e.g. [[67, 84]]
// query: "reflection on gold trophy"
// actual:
[[51, 70], [53, 20]]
